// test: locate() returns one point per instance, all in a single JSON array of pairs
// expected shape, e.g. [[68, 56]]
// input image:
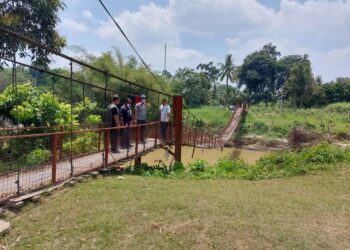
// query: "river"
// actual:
[[209, 155]]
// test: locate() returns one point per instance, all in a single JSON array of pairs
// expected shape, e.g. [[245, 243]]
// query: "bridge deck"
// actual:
[[36, 177], [233, 125]]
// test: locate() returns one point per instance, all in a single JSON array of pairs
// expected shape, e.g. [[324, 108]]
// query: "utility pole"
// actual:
[[165, 58]]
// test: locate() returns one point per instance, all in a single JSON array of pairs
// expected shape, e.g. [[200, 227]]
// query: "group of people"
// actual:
[[124, 116]]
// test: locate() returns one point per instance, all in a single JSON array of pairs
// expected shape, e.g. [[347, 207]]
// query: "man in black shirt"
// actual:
[[126, 115], [115, 122]]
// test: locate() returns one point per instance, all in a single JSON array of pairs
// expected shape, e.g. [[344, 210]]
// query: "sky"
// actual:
[[200, 31]]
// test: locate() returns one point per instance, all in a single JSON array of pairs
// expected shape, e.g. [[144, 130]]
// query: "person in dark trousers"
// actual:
[[141, 116], [126, 115], [114, 123], [164, 119]]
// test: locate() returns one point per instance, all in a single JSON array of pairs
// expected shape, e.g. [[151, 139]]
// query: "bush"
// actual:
[[338, 108], [38, 156], [279, 130], [82, 144], [321, 157], [342, 135], [260, 127], [198, 166], [93, 119]]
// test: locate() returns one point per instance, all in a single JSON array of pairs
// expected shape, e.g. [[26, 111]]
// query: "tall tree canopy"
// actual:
[[34, 19], [227, 71], [211, 72], [258, 74], [271, 50], [193, 86], [301, 84]]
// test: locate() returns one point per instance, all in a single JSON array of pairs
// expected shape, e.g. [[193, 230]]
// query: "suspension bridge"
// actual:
[[65, 162]]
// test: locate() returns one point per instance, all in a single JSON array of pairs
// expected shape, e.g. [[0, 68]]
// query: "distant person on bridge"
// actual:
[[164, 118], [141, 116], [126, 115], [114, 123]]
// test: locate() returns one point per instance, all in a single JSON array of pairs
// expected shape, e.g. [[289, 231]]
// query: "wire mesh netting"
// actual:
[[56, 123]]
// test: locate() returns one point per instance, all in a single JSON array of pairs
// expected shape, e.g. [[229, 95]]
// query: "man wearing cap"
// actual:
[[141, 116], [114, 123]]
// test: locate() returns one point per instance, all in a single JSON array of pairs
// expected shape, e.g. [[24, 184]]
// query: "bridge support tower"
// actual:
[[177, 117]]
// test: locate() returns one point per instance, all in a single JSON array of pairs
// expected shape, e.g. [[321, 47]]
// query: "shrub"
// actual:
[[82, 144], [276, 165], [93, 119], [38, 156], [342, 135], [178, 167], [198, 166], [279, 130]]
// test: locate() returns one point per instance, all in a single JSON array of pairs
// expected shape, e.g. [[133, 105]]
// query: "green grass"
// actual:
[[308, 212], [321, 157], [274, 122], [216, 117]]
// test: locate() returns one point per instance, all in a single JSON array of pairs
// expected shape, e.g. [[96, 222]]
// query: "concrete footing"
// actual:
[[35, 199], [16, 205], [71, 183], [4, 227], [94, 174]]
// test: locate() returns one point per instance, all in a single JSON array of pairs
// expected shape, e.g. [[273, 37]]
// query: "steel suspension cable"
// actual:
[[130, 43]]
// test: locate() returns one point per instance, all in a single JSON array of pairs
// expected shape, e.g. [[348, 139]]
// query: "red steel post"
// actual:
[[99, 138], [137, 132], [137, 138], [155, 134], [60, 143], [54, 159], [177, 114], [107, 136]]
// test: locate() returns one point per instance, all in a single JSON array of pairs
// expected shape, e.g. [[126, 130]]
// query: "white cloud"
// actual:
[[176, 57], [88, 15], [68, 24], [220, 17], [319, 28], [150, 24]]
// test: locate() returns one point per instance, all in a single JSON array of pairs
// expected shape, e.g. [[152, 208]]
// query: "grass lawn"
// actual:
[[306, 212], [216, 117], [274, 122]]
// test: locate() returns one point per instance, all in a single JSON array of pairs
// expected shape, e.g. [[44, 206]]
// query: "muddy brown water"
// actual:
[[209, 155]]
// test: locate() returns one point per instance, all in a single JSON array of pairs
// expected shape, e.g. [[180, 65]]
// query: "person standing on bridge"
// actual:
[[164, 118], [126, 115], [141, 116], [114, 123]]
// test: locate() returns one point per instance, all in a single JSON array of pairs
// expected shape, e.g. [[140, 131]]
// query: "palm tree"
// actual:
[[227, 70]]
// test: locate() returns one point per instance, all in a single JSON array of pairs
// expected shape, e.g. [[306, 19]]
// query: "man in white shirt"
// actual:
[[164, 118]]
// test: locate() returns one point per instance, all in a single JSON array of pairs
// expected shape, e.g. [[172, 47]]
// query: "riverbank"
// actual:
[[278, 128]]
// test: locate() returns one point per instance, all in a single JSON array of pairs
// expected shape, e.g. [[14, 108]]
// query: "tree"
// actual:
[[34, 19], [227, 70], [22, 75], [234, 95], [338, 91], [300, 84], [258, 75], [271, 50], [28, 106], [211, 72], [193, 86], [283, 67]]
